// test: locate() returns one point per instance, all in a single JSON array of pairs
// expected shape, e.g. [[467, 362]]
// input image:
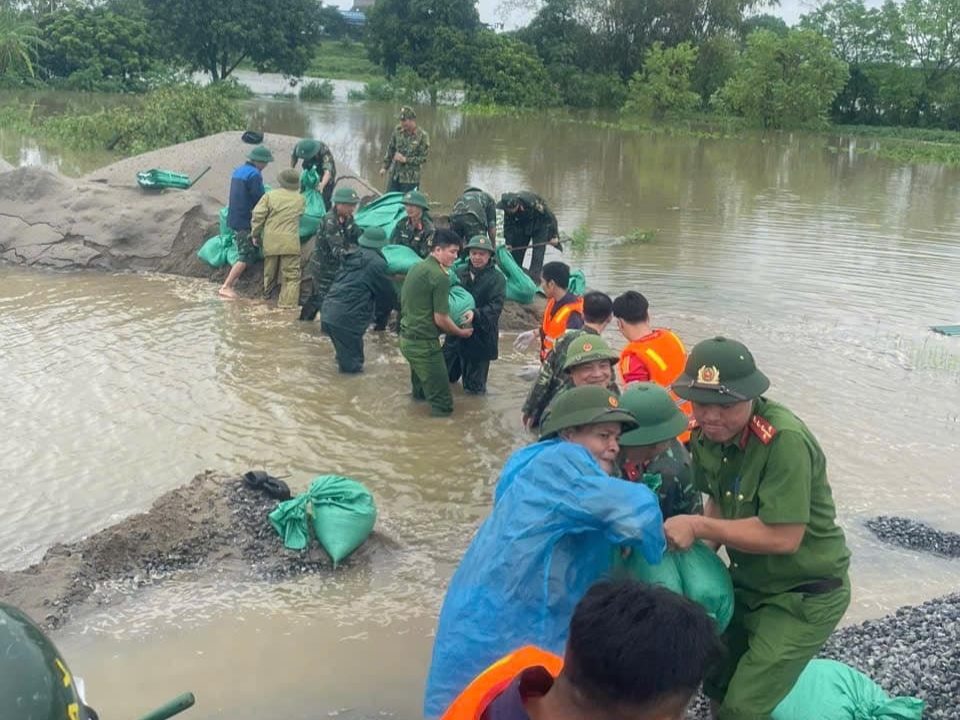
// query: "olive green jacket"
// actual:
[[276, 219]]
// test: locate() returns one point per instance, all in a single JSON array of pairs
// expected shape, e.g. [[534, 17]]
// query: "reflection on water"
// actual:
[[830, 266]]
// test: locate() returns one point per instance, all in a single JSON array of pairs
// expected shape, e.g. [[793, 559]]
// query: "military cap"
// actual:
[[373, 237], [307, 148], [720, 371], [657, 415], [508, 201], [289, 179], [260, 154], [416, 198], [346, 195], [584, 405], [587, 348], [407, 113], [481, 242]]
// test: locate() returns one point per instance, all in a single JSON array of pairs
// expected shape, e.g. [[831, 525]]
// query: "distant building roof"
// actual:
[[353, 17]]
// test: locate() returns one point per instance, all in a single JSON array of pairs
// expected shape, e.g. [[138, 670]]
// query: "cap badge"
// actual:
[[708, 375], [587, 347], [613, 402]]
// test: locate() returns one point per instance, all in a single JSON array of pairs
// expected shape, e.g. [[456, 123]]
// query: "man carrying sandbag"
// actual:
[[337, 233], [276, 224], [361, 290], [475, 213], [424, 316], [314, 154], [527, 221], [770, 505]]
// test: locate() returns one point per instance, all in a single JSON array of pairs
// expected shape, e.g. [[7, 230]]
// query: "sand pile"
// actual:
[[214, 523]]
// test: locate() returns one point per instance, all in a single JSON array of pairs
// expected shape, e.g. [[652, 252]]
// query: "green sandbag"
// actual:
[[520, 288], [343, 514], [829, 690], [400, 259], [384, 212], [697, 573], [314, 210], [460, 302], [578, 283], [289, 519], [163, 179], [225, 230]]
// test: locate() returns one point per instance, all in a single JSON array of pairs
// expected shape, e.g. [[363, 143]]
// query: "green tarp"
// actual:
[[520, 288], [400, 259], [163, 179], [384, 212]]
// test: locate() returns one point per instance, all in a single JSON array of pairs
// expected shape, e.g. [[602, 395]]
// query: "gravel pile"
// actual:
[[915, 535]]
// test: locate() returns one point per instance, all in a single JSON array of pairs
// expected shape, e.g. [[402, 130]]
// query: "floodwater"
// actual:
[[830, 265]]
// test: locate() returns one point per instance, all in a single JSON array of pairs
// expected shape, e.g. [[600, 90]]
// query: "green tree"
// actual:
[[784, 81], [20, 41], [505, 71], [97, 43], [717, 59], [214, 36], [763, 22], [663, 86], [429, 36]]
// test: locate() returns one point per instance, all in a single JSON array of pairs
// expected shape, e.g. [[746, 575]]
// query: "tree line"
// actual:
[[657, 59]]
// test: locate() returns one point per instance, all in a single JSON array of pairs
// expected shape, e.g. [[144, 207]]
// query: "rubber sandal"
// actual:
[[255, 479], [276, 489]]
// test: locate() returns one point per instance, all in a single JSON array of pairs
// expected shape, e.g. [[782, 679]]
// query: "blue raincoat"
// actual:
[[550, 536]]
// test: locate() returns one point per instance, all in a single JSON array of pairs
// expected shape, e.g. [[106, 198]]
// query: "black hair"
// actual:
[[557, 271], [631, 307], [445, 237], [638, 646], [597, 307]]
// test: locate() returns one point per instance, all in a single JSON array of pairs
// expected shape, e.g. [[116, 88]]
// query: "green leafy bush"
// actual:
[[316, 90]]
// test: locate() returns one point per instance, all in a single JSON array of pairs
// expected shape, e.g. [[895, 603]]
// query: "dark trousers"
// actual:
[[474, 372], [348, 345], [328, 194], [397, 186], [518, 239]]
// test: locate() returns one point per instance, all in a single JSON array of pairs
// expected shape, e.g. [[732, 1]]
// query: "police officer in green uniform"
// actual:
[[316, 154], [770, 505], [406, 153], [527, 220], [475, 213], [653, 455], [424, 316], [336, 233], [415, 230]]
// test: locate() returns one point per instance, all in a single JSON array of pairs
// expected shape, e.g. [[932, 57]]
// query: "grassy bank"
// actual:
[[340, 60]]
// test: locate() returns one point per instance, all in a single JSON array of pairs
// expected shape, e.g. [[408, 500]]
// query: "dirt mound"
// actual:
[[5, 166], [213, 522]]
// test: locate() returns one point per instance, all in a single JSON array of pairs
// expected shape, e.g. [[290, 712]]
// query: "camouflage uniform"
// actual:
[[414, 146], [316, 154], [532, 225], [668, 475], [333, 237], [474, 213], [551, 379], [418, 238]]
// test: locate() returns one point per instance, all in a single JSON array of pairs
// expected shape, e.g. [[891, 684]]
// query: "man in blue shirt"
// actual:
[[246, 189]]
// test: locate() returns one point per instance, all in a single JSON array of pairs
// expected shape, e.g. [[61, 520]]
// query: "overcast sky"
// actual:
[[493, 11]]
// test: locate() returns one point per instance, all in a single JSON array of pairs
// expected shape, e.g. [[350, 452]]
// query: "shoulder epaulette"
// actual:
[[762, 428]]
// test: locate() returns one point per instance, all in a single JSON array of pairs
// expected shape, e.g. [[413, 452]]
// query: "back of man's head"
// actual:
[[597, 307], [637, 650], [558, 272], [445, 237], [631, 307]]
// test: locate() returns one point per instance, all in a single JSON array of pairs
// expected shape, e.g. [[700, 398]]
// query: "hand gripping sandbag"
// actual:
[[460, 302], [555, 520], [314, 210], [400, 259], [520, 288], [829, 690], [343, 514]]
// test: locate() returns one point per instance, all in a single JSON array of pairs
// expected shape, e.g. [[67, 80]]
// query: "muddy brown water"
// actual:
[[830, 265]]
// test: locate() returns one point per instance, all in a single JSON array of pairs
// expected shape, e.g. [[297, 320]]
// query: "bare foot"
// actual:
[[228, 293]]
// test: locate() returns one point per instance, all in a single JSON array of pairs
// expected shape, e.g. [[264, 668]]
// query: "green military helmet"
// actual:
[[417, 199], [657, 415], [407, 113], [307, 148], [720, 371], [587, 348], [508, 201], [345, 195], [373, 237], [585, 405], [260, 154], [481, 242], [35, 683]]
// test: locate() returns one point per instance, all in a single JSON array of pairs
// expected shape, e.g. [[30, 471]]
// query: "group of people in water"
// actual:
[[689, 438]]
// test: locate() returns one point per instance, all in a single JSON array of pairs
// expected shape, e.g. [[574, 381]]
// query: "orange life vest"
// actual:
[[664, 355], [483, 690], [556, 325]]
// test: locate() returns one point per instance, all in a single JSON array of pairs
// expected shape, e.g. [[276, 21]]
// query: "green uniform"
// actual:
[[316, 154], [416, 236], [669, 476], [414, 146], [474, 213], [551, 375], [334, 236], [786, 605], [532, 224], [426, 290]]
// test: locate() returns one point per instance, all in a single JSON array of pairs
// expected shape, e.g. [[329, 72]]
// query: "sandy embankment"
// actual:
[[104, 221]]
